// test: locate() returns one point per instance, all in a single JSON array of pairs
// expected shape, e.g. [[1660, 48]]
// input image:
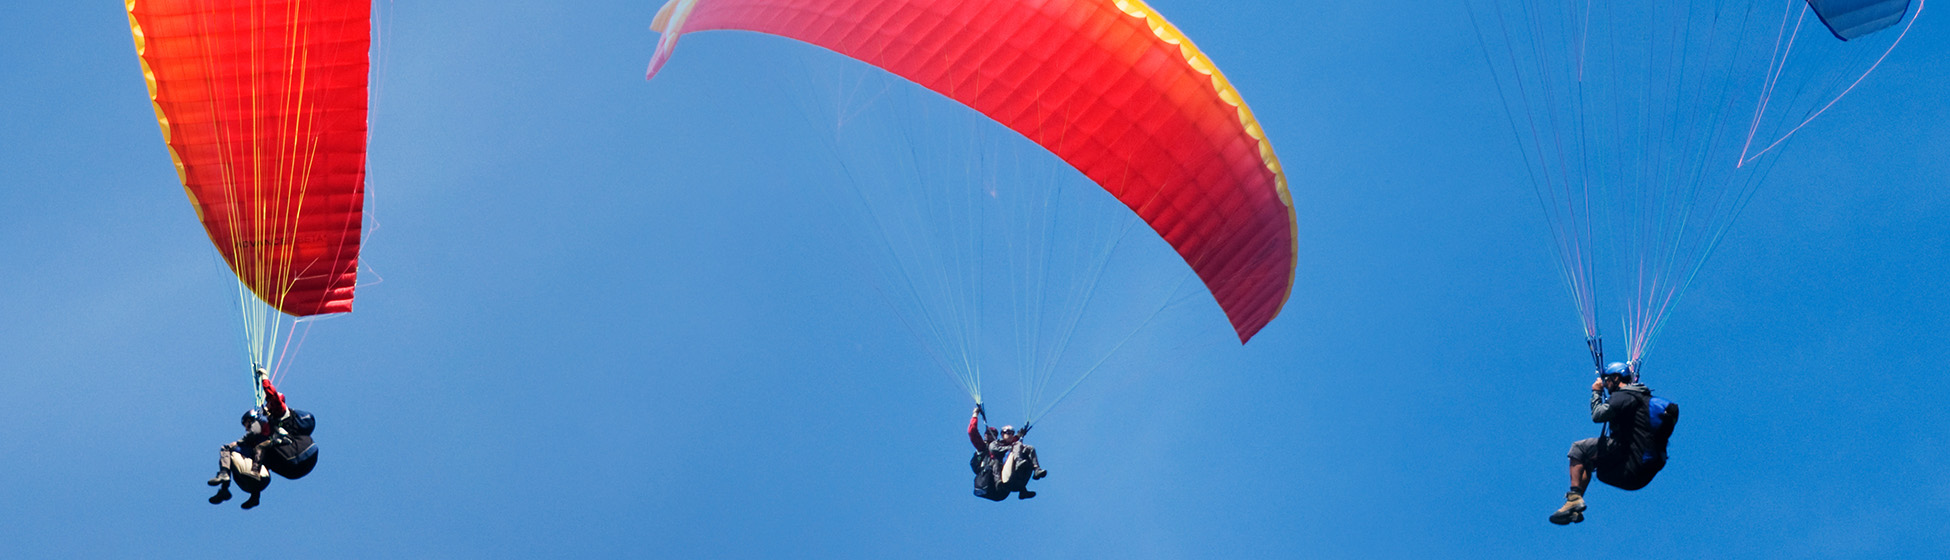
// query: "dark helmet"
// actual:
[[1618, 368], [253, 415]]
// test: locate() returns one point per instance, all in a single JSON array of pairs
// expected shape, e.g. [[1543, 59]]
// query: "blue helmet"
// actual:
[[1617, 368]]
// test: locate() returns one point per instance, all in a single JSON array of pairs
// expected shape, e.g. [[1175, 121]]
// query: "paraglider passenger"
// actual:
[[240, 461], [1003, 464], [1633, 448], [276, 439]]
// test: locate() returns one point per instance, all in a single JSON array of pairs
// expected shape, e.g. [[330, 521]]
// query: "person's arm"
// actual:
[[274, 403], [1600, 406], [975, 434], [1604, 410], [257, 451]]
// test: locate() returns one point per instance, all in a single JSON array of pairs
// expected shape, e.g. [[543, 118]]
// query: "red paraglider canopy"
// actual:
[[1107, 85], [263, 106]]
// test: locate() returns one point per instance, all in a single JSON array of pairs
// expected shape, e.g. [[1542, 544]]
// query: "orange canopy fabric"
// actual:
[[263, 106], [1106, 85]]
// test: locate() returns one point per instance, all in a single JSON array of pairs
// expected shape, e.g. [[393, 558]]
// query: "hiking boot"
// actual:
[[1025, 494], [251, 503], [1572, 512], [223, 495], [219, 479]]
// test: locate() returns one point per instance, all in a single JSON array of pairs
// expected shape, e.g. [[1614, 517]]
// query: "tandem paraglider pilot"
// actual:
[[277, 440], [1003, 464], [1632, 448]]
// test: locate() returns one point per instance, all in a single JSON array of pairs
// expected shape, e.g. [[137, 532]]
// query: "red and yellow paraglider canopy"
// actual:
[[1107, 85], [263, 106]]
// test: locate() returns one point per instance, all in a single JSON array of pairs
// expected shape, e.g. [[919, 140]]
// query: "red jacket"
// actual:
[[274, 407], [975, 435]]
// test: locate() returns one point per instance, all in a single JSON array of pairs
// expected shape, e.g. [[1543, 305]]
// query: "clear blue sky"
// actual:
[[604, 332]]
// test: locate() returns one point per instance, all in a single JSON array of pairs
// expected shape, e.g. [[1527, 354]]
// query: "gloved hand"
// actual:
[[1040, 473]]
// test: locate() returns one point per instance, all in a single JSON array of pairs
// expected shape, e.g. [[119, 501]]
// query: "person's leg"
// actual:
[[243, 466], [255, 486], [223, 466], [223, 493], [1585, 455], [1018, 486], [250, 476], [1580, 477], [222, 480], [1581, 455]]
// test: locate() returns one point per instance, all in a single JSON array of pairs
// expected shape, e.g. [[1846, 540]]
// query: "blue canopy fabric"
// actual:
[[1849, 19]]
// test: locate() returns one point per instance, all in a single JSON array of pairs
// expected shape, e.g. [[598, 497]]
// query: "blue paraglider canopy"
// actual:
[[1849, 19]]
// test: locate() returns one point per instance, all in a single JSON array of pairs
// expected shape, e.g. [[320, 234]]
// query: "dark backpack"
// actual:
[[1636, 471], [986, 485], [292, 454], [299, 423], [1663, 414]]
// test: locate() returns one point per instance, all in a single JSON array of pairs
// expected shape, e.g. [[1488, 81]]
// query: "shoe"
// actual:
[[1572, 512], [219, 479], [223, 495], [251, 503], [1040, 473], [1025, 494]]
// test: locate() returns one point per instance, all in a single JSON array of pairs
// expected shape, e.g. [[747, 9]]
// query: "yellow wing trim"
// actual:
[[1203, 65], [162, 119], [670, 19]]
